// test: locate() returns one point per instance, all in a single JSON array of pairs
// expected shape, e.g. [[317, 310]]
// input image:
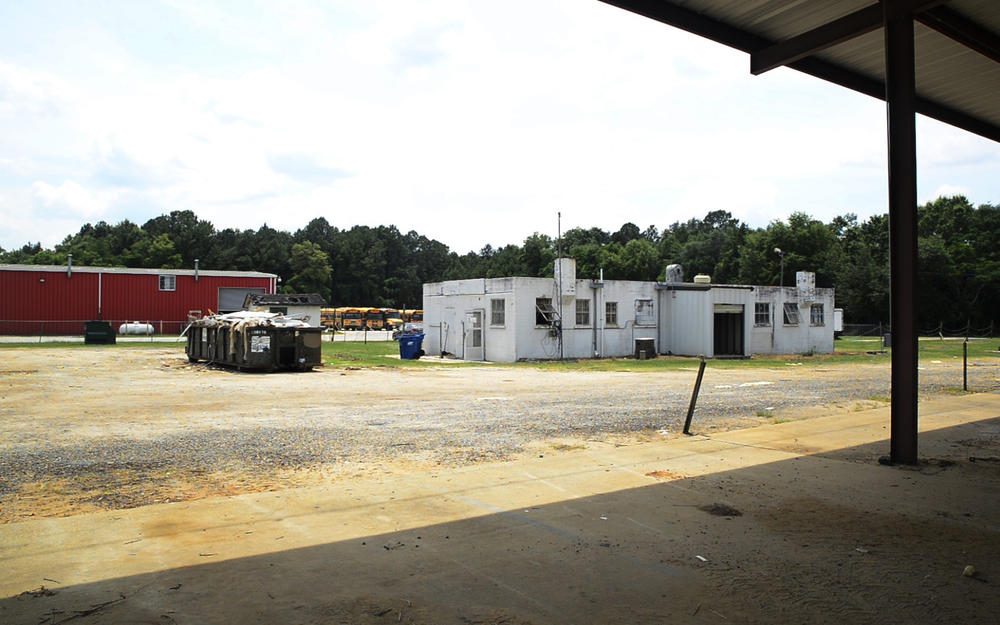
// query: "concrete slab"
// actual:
[[816, 531]]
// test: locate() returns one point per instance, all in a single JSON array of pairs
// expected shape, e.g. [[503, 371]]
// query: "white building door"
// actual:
[[474, 349]]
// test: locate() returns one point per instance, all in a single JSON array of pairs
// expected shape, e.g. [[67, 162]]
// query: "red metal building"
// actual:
[[54, 299]]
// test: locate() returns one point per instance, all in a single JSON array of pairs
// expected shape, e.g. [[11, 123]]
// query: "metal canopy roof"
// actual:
[[934, 57], [957, 46]]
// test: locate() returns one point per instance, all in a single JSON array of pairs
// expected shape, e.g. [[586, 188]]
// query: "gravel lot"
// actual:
[[84, 429]]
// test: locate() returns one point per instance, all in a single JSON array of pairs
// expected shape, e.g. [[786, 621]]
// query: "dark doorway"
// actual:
[[728, 339]]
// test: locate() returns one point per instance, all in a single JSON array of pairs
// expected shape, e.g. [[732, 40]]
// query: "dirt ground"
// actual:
[[777, 516], [72, 420]]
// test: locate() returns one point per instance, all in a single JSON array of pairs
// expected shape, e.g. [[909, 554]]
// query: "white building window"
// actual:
[[168, 283], [610, 313], [762, 314], [791, 310], [816, 315], [545, 314], [582, 312], [644, 315], [498, 312]]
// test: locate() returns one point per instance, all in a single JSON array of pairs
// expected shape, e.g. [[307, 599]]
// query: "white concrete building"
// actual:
[[510, 319]]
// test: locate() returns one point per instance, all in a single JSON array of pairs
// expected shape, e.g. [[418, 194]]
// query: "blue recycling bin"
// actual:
[[409, 346]]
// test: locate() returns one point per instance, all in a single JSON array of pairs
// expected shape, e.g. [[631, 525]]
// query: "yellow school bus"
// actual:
[[349, 318], [374, 318], [393, 318], [328, 318], [413, 316]]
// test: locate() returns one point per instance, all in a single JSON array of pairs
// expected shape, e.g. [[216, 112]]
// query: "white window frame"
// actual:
[[548, 313], [583, 308], [167, 282], [816, 319], [611, 314], [498, 316], [790, 313], [762, 314], [645, 313]]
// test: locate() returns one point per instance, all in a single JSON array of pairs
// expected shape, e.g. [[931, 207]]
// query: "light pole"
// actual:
[[781, 255]]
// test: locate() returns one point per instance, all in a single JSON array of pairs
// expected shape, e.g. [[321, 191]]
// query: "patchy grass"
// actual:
[[764, 413], [377, 354], [847, 351], [930, 348], [565, 447], [81, 345], [674, 363], [881, 398], [933, 348]]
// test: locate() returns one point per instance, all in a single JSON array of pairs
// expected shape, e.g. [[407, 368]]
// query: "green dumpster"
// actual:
[[98, 333]]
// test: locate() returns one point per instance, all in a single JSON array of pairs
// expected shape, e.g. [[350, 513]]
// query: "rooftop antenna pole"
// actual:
[[560, 266]]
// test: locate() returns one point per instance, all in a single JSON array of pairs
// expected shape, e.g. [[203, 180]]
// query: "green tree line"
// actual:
[[959, 256]]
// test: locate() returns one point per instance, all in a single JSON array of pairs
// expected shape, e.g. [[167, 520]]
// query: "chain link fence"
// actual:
[[25, 331], [161, 329], [38, 331], [939, 330]]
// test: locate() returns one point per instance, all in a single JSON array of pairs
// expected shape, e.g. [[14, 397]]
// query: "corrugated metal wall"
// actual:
[[690, 322], [33, 296], [47, 295], [139, 296]]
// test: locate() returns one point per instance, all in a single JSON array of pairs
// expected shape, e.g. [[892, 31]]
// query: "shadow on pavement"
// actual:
[[825, 538]]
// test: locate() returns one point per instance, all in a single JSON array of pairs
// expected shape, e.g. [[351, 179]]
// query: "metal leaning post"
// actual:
[[694, 397]]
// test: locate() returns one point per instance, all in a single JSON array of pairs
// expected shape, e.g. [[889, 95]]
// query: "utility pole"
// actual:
[[560, 266], [781, 255]]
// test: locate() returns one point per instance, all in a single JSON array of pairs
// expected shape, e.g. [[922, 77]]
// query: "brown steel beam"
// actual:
[[901, 121], [810, 42], [963, 30], [853, 25], [704, 26]]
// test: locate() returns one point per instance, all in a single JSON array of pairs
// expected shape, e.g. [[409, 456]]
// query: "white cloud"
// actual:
[[945, 190], [939, 145], [472, 123], [17, 166], [72, 198], [32, 93]]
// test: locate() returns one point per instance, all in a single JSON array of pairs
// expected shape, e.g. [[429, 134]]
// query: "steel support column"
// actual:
[[901, 117]]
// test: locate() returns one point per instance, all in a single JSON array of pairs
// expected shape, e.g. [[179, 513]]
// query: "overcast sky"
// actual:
[[469, 121]]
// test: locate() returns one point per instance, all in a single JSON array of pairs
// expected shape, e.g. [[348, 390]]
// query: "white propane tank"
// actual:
[[702, 279], [136, 328]]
